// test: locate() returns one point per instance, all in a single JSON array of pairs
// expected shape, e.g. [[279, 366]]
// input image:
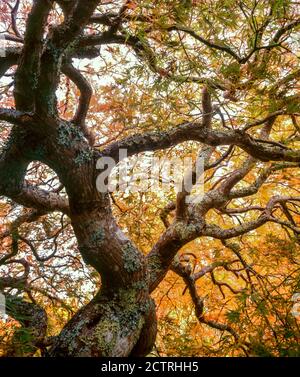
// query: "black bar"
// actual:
[[90, 367]]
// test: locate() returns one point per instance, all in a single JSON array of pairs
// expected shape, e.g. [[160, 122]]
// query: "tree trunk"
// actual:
[[121, 318]]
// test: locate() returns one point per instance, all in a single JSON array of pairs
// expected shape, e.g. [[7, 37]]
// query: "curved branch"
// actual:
[[260, 149], [15, 282], [61, 38], [13, 166], [224, 234], [199, 302], [206, 42], [280, 32], [33, 197], [85, 92], [28, 69]]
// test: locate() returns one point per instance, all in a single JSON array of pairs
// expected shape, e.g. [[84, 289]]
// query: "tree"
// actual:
[[217, 80]]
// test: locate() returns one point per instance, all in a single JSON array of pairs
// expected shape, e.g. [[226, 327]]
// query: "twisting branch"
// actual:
[[34, 251], [206, 42], [85, 93], [33, 197], [210, 268], [58, 42], [262, 177], [84, 101], [260, 149], [199, 303], [21, 191], [280, 32], [224, 234], [14, 14], [13, 38], [221, 159], [28, 68]]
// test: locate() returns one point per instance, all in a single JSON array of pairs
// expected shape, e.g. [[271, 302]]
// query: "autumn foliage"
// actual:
[[212, 79]]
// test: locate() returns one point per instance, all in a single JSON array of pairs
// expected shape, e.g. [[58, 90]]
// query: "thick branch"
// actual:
[[33, 197], [51, 59], [151, 141], [14, 116], [28, 69], [85, 92]]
